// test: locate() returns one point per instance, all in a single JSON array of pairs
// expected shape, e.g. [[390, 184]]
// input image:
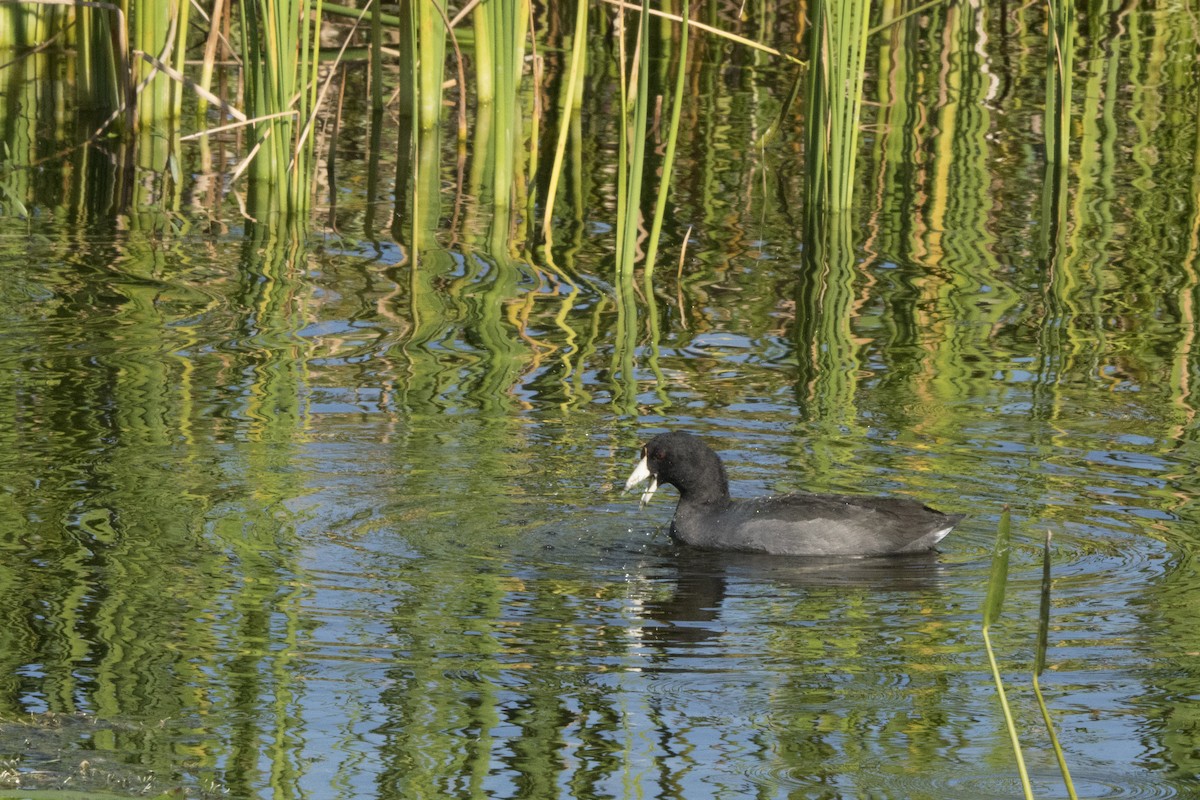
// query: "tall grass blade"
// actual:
[[376, 49], [508, 21], [1043, 635], [664, 185], [1040, 665], [535, 126], [572, 91], [1059, 68], [431, 45], [627, 238], [991, 612], [838, 43], [622, 136], [485, 58], [218, 21], [998, 577]]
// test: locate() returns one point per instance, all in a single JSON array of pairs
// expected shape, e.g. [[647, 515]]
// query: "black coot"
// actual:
[[797, 524]]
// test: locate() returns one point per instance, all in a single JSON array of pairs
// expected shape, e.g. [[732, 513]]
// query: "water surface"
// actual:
[[311, 517]]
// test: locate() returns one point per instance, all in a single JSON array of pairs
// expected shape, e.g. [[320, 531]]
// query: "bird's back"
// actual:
[[813, 525]]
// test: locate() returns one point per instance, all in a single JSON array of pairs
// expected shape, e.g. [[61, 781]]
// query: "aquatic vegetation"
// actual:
[[992, 606]]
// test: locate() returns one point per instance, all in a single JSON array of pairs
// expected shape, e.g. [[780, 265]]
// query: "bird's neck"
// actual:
[[716, 496], [702, 481]]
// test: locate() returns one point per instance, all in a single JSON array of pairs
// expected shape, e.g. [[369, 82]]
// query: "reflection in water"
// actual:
[[331, 519], [691, 613]]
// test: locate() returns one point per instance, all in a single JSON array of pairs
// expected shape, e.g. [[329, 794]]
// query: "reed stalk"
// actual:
[[408, 165], [485, 58], [992, 606], [376, 49], [182, 14], [218, 31], [152, 33], [280, 42], [622, 137], [509, 19], [535, 121], [572, 91], [1060, 65], [838, 47], [635, 138], [431, 47], [96, 62], [1040, 666], [664, 184]]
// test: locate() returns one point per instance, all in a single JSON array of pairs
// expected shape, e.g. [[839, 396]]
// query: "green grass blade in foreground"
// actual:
[[991, 612], [1043, 636], [1040, 665], [994, 601]]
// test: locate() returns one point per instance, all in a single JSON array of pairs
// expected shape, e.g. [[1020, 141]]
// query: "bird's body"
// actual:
[[798, 524]]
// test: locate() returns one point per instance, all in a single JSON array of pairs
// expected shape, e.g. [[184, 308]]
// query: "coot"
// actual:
[[799, 524]]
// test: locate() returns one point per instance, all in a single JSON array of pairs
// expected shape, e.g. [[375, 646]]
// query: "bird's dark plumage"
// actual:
[[799, 524]]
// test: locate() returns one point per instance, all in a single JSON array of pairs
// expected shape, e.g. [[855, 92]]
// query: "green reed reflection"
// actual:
[[827, 356], [324, 510], [158, 546]]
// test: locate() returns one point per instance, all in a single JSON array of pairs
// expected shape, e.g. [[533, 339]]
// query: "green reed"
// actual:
[[992, 606], [376, 57], [508, 26], [155, 40], [837, 41], [280, 44], [218, 34], [102, 61], [571, 100], [664, 183], [632, 154], [1059, 68], [1043, 636], [431, 56]]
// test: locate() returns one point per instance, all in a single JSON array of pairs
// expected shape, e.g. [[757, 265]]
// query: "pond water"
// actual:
[[301, 517]]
